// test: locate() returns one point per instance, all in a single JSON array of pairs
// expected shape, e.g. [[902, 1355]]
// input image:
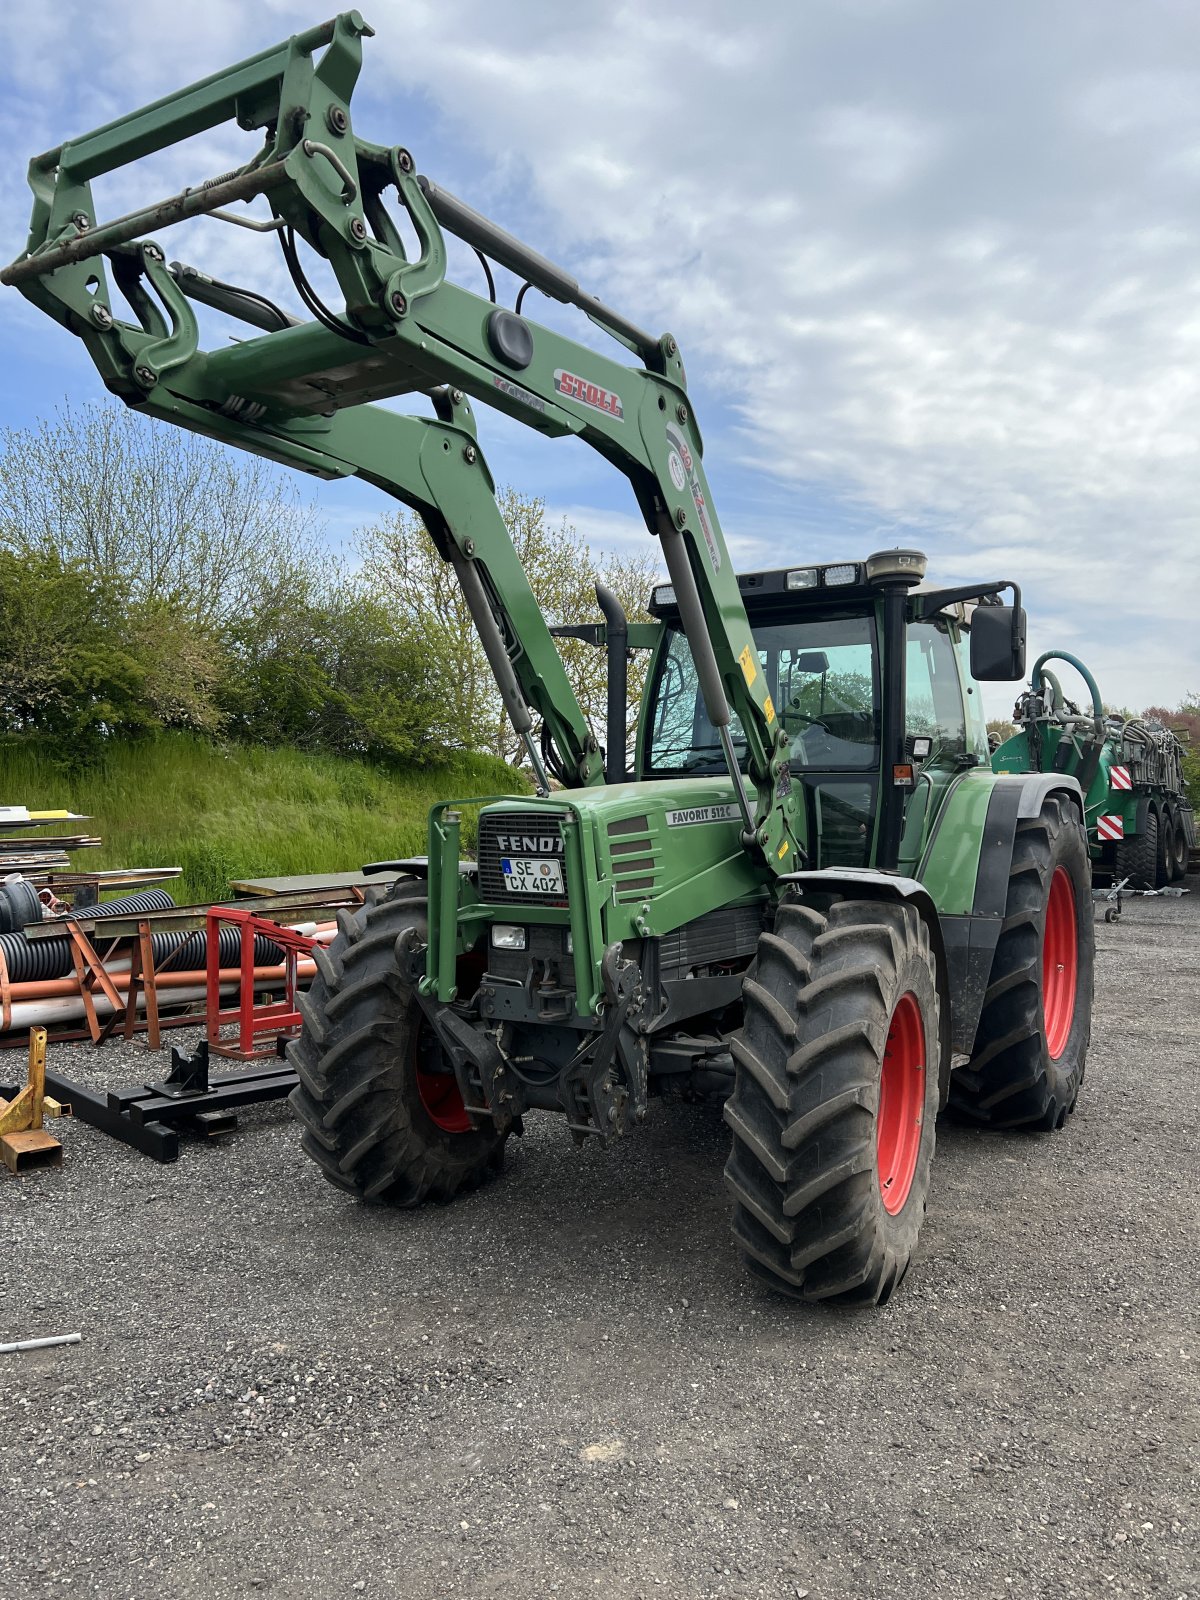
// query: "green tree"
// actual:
[[399, 561], [67, 671], [328, 667], [171, 516]]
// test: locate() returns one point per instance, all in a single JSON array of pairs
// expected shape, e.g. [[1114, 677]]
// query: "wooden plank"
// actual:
[[184, 918], [307, 882]]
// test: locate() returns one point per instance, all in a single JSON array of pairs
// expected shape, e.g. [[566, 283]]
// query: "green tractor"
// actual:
[[805, 889]]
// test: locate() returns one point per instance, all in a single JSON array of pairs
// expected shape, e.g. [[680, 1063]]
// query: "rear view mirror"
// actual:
[[998, 644], [814, 661]]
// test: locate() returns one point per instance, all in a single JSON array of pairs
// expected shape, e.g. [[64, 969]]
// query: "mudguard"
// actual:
[[867, 883], [962, 885]]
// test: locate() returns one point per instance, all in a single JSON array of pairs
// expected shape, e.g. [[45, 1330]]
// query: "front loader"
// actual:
[[807, 891]]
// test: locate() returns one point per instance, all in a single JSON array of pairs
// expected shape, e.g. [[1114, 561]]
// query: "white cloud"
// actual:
[[933, 265]]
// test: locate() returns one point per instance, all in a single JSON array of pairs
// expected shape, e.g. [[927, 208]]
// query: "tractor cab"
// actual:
[[826, 646]]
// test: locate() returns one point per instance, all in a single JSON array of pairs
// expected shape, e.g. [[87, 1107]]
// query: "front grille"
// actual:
[[499, 831]]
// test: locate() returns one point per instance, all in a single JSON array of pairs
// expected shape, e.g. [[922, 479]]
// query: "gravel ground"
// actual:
[[566, 1384]]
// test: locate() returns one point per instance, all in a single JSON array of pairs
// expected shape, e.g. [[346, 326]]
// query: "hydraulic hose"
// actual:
[[1035, 681]]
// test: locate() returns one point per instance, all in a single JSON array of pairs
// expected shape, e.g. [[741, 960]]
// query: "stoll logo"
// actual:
[[588, 393], [529, 844]]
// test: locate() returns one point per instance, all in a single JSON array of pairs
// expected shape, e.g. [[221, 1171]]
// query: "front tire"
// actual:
[[381, 1111], [835, 1099], [1031, 1043]]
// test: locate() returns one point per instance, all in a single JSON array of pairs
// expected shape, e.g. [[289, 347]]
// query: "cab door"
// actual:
[[935, 708]]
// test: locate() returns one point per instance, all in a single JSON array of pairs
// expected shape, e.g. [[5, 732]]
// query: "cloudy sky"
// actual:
[[933, 264]]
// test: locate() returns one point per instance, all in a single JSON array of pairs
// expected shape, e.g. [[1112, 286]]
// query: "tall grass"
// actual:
[[240, 811]]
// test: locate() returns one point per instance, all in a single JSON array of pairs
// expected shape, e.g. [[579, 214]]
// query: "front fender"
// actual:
[[866, 883]]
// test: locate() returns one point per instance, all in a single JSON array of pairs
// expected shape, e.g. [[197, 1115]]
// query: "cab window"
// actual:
[[933, 699], [977, 733], [820, 674]]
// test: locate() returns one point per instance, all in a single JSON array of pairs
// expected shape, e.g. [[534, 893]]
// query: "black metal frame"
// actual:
[[148, 1117]]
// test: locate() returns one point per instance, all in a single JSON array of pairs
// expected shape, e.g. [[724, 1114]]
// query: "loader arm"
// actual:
[[301, 394]]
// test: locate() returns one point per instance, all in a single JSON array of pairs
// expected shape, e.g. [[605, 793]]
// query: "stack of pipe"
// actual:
[[43, 987]]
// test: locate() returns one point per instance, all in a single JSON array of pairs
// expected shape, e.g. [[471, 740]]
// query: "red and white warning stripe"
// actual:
[[1119, 778], [1111, 827]]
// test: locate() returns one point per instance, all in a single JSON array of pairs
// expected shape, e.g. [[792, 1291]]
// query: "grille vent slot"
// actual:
[[722, 935], [634, 864]]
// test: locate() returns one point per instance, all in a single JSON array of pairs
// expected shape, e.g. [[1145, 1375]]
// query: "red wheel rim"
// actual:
[[1060, 963], [901, 1104], [438, 1090], [441, 1098]]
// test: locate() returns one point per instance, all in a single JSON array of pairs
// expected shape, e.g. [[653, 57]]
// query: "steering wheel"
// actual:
[[802, 716]]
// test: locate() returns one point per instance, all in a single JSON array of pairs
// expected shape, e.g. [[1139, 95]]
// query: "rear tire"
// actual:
[[1177, 850], [1031, 1043], [382, 1117], [1137, 855], [835, 1099]]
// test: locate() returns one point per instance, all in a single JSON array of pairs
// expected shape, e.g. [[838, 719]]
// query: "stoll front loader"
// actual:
[[809, 892], [1140, 823]]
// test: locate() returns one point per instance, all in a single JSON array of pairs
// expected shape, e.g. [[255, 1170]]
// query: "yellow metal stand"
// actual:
[[24, 1143]]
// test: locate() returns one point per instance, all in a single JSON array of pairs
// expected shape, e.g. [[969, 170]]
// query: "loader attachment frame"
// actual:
[[301, 394]]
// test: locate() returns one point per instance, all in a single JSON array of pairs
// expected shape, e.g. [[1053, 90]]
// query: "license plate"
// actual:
[[531, 875]]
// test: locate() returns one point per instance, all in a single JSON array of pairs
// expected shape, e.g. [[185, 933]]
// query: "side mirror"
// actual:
[[998, 644]]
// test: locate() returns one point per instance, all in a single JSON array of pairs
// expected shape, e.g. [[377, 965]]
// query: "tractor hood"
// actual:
[[656, 853]]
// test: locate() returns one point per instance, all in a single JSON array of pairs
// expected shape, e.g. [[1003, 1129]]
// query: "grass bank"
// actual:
[[223, 812]]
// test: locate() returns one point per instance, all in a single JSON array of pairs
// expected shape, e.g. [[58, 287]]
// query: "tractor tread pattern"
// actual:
[[1011, 1081], [1137, 855], [802, 1171], [354, 1098]]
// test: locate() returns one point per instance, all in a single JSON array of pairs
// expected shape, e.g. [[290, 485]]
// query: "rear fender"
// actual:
[[971, 935], [965, 939]]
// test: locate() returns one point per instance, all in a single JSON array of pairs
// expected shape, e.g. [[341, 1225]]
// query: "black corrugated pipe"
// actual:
[[19, 904], [617, 640], [38, 960]]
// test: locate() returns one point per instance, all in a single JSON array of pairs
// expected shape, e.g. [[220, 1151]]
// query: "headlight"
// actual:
[[805, 578], [505, 936], [664, 595], [847, 572]]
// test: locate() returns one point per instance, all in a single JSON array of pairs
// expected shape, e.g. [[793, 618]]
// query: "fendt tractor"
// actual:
[[1140, 823], [806, 890]]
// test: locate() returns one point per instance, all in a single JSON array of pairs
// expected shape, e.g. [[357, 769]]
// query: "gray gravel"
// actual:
[[566, 1384]]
